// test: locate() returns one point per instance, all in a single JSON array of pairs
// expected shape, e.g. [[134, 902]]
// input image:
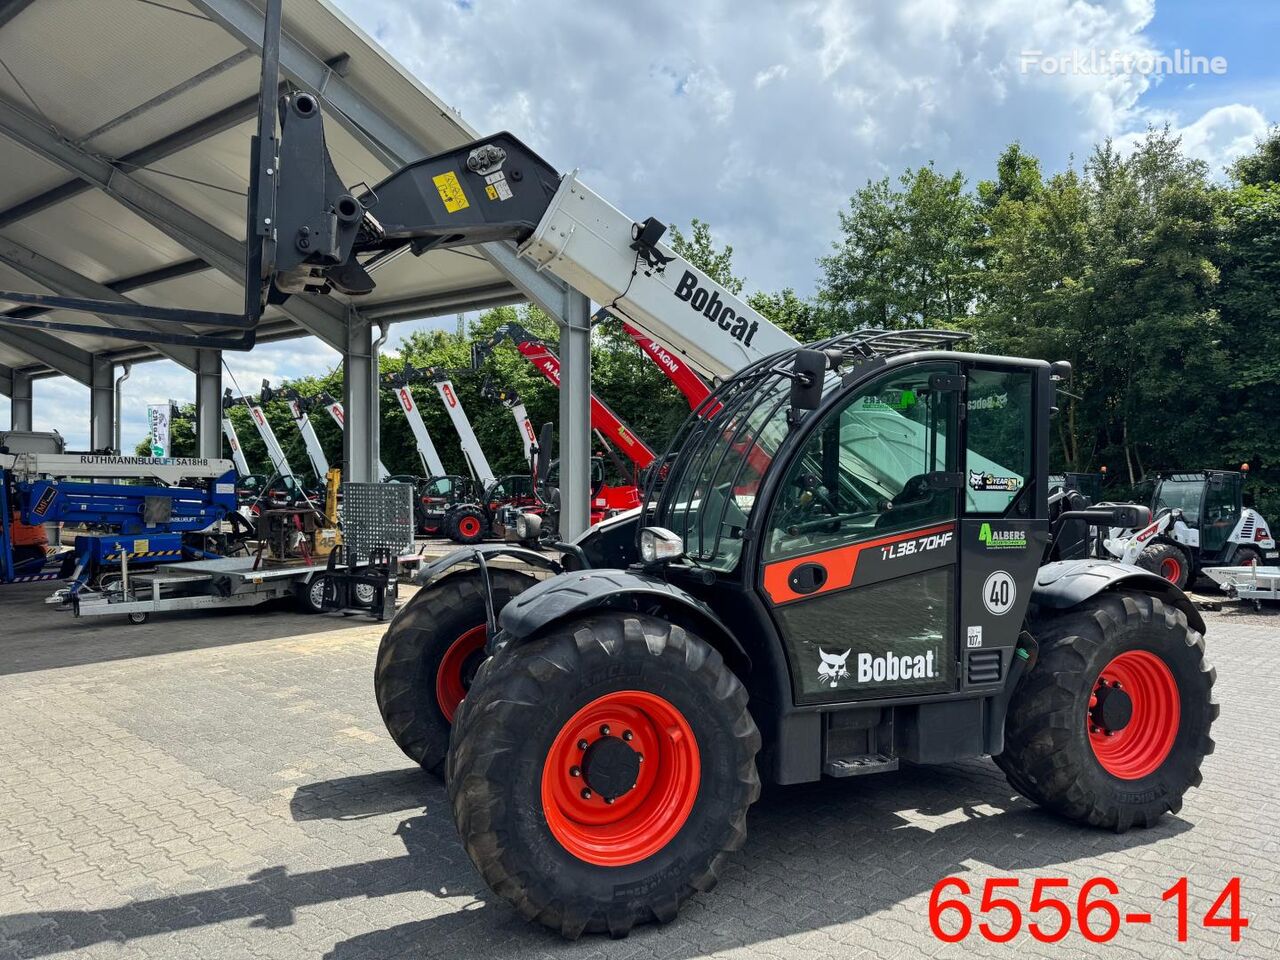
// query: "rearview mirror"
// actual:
[[1131, 516], [808, 371]]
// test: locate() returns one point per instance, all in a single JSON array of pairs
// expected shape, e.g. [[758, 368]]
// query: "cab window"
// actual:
[[871, 468], [998, 411]]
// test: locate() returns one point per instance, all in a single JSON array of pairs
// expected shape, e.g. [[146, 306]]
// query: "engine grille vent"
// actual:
[[984, 666]]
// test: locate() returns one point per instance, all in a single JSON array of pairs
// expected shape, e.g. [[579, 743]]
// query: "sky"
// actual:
[[762, 118]]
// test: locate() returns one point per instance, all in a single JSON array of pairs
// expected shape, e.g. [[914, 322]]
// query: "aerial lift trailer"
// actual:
[[846, 608]]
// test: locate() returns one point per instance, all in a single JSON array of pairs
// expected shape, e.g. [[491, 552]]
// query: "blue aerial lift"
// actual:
[[144, 519]]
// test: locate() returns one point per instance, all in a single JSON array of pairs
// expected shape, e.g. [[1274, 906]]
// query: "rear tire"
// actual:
[[467, 525], [1167, 561], [540, 835], [407, 677], [311, 595], [1247, 557], [1057, 752]]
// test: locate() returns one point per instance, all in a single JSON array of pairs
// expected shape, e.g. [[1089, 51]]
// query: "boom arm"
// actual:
[[431, 462], [274, 451], [496, 188], [540, 354], [233, 440], [508, 397], [315, 452], [471, 449], [339, 416], [693, 387]]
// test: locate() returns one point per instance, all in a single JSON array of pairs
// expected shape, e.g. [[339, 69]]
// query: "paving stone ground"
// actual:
[[221, 786]]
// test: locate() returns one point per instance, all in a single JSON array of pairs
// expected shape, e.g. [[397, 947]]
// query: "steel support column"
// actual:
[[209, 403], [20, 402], [360, 399], [575, 415], [102, 405]]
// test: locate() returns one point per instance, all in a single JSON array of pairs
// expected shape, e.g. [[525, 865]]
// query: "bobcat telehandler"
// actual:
[[849, 565]]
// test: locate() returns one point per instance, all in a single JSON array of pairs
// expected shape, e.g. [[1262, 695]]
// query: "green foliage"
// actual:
[[700, 250], [907, 258]]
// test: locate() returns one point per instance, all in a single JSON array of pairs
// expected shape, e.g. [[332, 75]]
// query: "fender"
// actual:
[[580, 591], [484, 552], [1068, 583]]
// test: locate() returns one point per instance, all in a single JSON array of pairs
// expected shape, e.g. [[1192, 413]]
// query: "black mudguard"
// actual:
[[485, 552], [580, 591], [1068, 583]]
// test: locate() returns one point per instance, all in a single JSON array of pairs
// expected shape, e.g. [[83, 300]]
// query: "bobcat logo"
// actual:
[[989, 481], [833, 666]]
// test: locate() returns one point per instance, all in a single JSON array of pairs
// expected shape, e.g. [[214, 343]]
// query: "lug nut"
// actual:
[[586, 794], [575, 772], [628, 736], [604, 729], [1117, 685], [608, 800], [582, 744], [640, 757], [1094, 728]]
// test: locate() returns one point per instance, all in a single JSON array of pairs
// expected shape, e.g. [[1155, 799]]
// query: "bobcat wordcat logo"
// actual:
[[873, 669], [708, 303], [1002, 539]]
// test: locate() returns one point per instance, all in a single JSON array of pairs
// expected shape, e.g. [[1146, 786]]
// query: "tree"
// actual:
[[803, 319], [908, 256], [700, 250], [1262, 166]]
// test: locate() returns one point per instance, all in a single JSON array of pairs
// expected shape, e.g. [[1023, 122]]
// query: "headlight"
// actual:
[[659, 543], [528, 526]]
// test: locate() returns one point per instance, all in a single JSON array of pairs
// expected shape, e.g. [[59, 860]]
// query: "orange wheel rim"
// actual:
[[453, 677], [1134, 714], [621, 778]]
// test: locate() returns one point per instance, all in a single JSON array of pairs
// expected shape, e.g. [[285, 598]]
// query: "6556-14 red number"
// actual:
[[1053, 912]]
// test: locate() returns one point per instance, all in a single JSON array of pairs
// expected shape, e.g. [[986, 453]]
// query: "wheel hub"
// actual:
[[1112, 708], [610, 767]]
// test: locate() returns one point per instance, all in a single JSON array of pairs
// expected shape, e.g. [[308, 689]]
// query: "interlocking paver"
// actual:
[[222, 787]]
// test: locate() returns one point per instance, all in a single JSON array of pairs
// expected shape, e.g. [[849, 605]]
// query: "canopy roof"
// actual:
[[124, 140]]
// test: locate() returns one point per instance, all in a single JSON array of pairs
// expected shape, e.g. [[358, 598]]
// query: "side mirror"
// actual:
[[1130, 516], [807, 373]]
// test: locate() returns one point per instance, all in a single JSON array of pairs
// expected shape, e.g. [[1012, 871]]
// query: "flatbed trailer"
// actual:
[[1254, 583], [230, 582]]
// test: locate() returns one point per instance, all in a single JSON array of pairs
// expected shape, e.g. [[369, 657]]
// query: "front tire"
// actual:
[[601, 774], [429, 655], [1168, 561], [1111, 725], [467, 525]]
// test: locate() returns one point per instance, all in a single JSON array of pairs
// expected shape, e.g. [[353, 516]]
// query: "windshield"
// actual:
[[1184, 495], [716, 476]]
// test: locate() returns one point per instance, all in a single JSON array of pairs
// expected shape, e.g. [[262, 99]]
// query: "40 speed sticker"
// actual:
[[999, 592]]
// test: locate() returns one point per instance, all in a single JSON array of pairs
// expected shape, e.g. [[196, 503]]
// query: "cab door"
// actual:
[[859, 555]]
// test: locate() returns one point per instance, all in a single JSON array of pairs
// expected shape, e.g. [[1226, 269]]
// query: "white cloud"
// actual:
[[763, 118], [1222, 134], [765, 77]]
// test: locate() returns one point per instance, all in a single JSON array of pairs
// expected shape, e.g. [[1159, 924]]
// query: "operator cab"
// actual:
[[910, 501], [1211, 502]]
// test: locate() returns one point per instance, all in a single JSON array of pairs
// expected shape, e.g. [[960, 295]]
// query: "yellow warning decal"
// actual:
[[491, 191], [141, 546], [451, 192]]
